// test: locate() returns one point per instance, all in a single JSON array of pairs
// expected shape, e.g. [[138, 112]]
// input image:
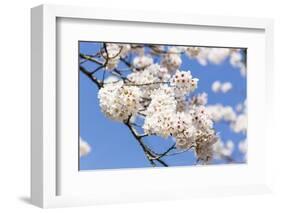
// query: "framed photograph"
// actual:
[[129, 106]]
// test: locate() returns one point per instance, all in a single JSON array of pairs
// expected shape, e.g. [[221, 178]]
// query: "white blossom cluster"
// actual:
[[153, 73], [113, 53], [218, 86], [183, 83], [84, 148], [222, 150], [183, 130], [142, 62], [205, 55], [118, 101], [160, 112], [243, 148], [199, 99], [236, 61], [172, 60], [149, 78], [218, 112], [237, 120], [225, 150], [190, 128], [204, 145], [241, 122], [217, 55]]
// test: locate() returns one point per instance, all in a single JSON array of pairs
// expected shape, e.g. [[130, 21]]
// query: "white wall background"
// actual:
[[15, 98]]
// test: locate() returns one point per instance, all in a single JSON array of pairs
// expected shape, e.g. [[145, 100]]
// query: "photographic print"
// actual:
[[161, 105]]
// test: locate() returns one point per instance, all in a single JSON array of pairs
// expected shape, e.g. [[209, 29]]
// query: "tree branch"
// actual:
[[94, 79], [89, 58], [150, 155]]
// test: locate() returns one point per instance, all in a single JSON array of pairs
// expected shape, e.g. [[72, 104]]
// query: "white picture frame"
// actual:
[[45, 166]]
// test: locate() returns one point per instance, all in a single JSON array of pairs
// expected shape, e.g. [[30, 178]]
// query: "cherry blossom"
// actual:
[[118, 101], [172, 60], [240, 124], [222, 150], [218, 86], [113, 52], [219, 112], [163, 98], [142, 62], [160, 112], [183, 82], [84, 148], [217, 56]]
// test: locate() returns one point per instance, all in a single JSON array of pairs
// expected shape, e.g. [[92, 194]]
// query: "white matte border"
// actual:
[[46, 176]]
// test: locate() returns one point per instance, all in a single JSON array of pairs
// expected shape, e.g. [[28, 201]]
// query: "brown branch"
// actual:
[[147, 84], [129, 65], [106, 52], [93, 78], [162, 52], [89, 58], [97, 69], [178, 152], [167, 151], [145, 149], [150, 155]]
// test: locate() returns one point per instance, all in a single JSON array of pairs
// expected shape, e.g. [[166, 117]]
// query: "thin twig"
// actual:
[[167, 151], [148, 154], [147, 84], [94, 79], [97, 69], [89, 58]]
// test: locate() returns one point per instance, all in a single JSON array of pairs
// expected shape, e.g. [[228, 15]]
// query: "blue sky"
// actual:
[[112, 145]]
